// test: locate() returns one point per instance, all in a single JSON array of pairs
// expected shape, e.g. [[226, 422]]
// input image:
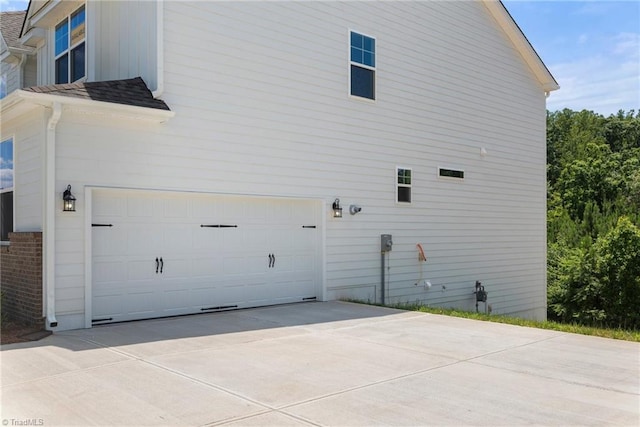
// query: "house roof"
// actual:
[[132, 92], [10, 27]]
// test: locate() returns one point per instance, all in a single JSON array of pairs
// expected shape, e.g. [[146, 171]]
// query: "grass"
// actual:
[[618, 334]]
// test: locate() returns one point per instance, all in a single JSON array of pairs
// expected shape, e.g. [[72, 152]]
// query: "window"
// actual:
[[363, 66], [403, 193], [450, 173], [70, 48], [6, 189]]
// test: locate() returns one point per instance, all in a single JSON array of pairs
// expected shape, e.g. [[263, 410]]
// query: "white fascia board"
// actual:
[[53, 12], [519, 40], [90, 106]]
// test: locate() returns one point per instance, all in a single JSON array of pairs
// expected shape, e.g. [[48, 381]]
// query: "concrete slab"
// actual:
[[320, 364], [127, 393], [469, 394], [286, 371], [52, 356]]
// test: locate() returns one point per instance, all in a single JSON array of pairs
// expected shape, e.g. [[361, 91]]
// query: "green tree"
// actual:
[[593, 215], [617, 269]]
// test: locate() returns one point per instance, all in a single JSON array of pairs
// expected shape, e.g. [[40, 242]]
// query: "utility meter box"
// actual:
[[385, 242]]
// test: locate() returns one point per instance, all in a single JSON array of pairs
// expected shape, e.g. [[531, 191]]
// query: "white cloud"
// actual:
[[605, 83], [6, 178], [627, 44]]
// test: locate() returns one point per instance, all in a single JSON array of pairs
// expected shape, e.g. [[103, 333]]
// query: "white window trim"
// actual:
[[357, 64], [397, 185], [71, 47], [450, 178]]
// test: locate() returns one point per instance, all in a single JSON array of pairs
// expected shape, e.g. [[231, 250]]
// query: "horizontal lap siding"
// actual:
[[260, 92], [28, 136]]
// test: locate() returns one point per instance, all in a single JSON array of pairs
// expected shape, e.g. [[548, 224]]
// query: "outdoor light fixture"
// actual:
[[68, 201], [337, 210]]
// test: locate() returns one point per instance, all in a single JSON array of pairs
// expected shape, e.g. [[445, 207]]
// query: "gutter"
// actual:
[[49, 265], [123, 110]]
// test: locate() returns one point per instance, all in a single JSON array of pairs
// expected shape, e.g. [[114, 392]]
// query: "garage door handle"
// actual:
[[157, 265], [161, 265], [270, 260], [274, 261]]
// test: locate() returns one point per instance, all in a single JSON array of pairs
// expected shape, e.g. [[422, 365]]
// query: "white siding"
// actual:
[[28, 137], [11, 73], [260, 92], [125, 40], [30, 73]]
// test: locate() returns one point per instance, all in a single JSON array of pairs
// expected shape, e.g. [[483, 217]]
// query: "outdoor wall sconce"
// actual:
[[337, 210], [68, 201]]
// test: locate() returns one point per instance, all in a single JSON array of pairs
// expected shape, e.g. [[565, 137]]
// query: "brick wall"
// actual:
[[21, 278]]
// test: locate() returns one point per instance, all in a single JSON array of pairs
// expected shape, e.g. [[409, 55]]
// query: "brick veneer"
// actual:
[[21, 278]]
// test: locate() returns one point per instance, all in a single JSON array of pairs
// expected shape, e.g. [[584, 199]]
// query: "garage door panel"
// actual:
[[142, 239], [141, 269], [175, 207], [304, 263], [177, 239], [204, 267], [141, 303], [140, 207], [174, 268], [111, 240], [233, 266], [108, 271], [107, 306]]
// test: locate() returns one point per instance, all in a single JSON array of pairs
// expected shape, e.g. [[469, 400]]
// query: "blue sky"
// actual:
[[591, 47]]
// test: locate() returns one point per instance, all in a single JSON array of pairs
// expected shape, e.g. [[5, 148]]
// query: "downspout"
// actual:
[[23, 59], [49, 243], [160, 49]]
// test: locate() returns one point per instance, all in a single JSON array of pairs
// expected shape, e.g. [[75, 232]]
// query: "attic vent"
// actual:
[[451, 173]]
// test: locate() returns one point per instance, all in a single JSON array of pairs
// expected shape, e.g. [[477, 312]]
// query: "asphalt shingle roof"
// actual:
[[10, 26], [127, 92]]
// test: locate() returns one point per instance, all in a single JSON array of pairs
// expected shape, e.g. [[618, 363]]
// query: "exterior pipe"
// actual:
[[49, 234], [382, 290], [160, 50]]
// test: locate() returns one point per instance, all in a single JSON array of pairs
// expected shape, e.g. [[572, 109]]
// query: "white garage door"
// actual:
[[157, 255]]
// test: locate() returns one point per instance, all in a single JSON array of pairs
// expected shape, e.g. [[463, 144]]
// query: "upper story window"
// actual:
[[70, 48], [363, 66], [6, 189]]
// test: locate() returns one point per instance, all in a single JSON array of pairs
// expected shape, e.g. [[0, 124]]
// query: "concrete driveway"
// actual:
[[320, 364]]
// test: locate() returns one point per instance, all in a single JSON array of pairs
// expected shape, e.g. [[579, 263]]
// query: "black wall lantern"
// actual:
[[68, 201], [337, 210]]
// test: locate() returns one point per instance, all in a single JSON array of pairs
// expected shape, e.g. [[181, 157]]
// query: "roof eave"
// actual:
[[87, 105], [522, 44]]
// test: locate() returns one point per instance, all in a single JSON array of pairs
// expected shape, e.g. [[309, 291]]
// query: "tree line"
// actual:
[[593, 218]]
